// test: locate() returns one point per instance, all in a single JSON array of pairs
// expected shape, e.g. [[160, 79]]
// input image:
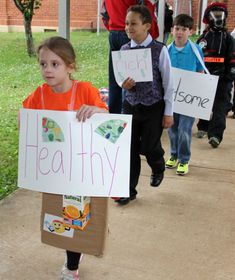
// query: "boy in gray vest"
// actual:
[[150, 103]]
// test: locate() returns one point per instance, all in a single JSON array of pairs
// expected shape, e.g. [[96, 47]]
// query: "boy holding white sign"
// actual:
[[57, 60], [182, 56], [150, 103]]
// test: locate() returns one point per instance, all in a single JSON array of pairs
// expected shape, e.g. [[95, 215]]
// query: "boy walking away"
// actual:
[[150, 103], [184, 57], [219, 55]]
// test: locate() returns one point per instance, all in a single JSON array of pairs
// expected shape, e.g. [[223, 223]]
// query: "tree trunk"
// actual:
[[29, 38]]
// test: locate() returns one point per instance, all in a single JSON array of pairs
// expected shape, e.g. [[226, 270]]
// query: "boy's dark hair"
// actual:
[[183, 20], [143, 11]]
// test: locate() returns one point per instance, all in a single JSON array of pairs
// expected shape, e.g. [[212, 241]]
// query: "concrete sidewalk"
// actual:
[[183, 230]]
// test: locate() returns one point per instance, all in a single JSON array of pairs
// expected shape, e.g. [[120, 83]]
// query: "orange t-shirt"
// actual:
[[86, 94]]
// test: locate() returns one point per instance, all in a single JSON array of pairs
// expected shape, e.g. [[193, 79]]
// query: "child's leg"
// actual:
[[135, 163], [151, 137], [185, 138], [73, 260]]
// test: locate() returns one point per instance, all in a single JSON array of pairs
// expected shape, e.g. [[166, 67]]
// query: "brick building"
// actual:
[[83, 14], [195, 9]]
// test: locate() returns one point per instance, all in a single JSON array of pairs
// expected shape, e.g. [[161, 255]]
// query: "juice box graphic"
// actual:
[[76, 211]]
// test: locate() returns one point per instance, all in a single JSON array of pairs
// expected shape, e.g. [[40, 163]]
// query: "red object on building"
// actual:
[[83, 15]]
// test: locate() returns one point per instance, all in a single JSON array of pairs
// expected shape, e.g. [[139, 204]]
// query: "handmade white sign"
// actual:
[[194, 93], [136, 64], [58, 154]]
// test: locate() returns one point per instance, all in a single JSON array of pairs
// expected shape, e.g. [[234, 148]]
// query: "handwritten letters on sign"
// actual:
[[58, 154]]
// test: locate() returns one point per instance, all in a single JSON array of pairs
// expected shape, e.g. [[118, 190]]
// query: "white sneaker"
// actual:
[[67, 274]]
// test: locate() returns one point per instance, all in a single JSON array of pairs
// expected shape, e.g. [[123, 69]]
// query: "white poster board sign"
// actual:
[[194, 93], [136, 64], [58, 154]]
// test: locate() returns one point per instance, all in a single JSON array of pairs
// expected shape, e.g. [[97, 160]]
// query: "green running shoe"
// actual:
[[182, 169], [171, 163]]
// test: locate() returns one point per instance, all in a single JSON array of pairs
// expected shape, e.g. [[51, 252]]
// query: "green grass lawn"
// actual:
[[20, 75]]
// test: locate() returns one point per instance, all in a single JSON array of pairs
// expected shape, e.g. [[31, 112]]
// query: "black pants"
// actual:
[[73, 259], [231, 105], [216, 126], [117, 38], [145, 139]]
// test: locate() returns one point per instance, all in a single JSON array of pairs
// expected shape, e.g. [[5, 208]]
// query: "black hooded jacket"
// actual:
[[218, 47]]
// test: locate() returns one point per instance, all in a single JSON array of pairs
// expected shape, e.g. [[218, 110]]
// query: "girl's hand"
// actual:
[[128, 83], [167, 121], [86, 111]]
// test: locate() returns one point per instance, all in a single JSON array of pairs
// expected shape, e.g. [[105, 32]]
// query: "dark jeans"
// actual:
[[216, 126], [145, 139], [73, 259], [116, 40]]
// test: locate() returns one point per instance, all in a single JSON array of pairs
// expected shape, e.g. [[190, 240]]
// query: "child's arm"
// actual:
[[86, 111], [167, 121], [167, 83]]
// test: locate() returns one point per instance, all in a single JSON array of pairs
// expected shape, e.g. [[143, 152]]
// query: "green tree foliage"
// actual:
[[27, 8]]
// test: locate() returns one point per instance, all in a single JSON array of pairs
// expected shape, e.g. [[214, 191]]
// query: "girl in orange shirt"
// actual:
[[57, 60]]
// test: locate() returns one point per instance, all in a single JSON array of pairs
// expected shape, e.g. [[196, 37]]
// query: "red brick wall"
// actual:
[[3, 13], [196, 6], [83, 13]]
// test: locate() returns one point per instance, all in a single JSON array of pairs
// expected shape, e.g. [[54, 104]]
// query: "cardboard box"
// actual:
[[76, 211], [89, 241]]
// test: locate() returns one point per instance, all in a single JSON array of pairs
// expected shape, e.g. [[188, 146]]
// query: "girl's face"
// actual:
[[54, 71], [135, 28], [181, 34]]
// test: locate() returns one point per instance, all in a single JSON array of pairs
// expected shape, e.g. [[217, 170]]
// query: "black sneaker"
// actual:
[[125, 200], [214, 142], [156, 179]]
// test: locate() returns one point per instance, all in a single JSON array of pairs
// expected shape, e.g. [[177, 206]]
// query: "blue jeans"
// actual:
[[180, 135], [116, 40]]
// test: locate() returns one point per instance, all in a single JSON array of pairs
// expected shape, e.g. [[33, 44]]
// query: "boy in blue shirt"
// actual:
[[184, 57]]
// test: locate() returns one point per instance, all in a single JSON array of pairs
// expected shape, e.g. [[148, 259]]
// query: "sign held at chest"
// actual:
[[58, 154]]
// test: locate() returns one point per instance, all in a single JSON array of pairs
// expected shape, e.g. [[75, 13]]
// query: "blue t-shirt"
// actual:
[[185, 58]]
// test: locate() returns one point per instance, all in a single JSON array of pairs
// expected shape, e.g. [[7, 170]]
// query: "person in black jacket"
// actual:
[[219, 55], [168, 21]]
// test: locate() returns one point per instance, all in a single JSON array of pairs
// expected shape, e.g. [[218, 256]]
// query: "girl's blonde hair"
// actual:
[[61, 47]]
